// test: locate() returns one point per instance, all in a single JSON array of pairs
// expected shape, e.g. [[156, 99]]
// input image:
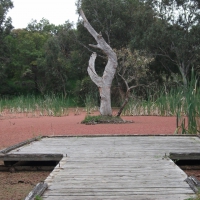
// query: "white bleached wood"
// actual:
[[104, 83], [92, 72]]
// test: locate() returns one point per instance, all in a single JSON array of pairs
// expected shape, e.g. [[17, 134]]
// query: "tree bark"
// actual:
[[104, 82]]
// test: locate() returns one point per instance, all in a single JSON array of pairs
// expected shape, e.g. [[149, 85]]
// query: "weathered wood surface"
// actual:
[[194, 183], [31, 157], [37, 191], [115, 167], [6, 150]]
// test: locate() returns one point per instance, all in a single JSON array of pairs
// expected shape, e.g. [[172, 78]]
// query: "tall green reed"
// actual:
[[192, 97], [91, 103], [178, 101]]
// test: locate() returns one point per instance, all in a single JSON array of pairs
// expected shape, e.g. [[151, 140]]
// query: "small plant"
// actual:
[[195, 198], [38, 198], [38, 138], [90, 104]]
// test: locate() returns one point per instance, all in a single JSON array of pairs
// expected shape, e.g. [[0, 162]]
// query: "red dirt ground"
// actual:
[[15, 129]]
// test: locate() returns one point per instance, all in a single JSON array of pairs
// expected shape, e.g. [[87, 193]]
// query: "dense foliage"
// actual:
[[44, 58], [5, 29]]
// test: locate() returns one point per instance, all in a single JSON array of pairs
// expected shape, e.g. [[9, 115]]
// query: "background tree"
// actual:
[[133, 70], [25, 48], [57, 61], [5, 28], [174, 35], [43, 26], [117, 20]]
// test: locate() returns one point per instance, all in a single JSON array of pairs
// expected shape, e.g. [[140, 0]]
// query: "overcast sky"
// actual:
[[56, 11]]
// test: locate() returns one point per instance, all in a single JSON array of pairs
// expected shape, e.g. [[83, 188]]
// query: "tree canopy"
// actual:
[[5, 29]]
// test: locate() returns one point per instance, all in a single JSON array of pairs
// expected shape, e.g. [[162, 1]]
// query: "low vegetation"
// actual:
[[49, 105], [100, 119]]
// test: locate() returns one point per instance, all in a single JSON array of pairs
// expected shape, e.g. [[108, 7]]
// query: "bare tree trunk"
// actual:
[[124, 103], [127, 95], [105, 106], [183, 74], [104, 82]]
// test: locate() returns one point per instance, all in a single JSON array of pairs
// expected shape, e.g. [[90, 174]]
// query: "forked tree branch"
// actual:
[[92, 72], [99, 39], [111, 66]]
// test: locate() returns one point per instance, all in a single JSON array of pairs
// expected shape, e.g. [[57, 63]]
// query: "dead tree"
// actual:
[[104, 82]]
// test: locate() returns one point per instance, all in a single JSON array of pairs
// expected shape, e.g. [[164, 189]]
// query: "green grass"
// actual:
[[38, 198]]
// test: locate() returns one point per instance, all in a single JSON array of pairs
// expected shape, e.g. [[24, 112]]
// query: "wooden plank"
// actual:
[[185, 156], [31, 157], [118, 191], [196, 181], [193, 183], [129, 186], [6, 150], [135, 197], [37, 191]]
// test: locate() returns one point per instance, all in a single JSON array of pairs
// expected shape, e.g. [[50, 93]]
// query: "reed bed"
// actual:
[[182, 102], [48, 105]]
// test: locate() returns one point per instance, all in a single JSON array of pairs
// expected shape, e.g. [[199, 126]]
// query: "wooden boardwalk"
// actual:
[[129, 168]]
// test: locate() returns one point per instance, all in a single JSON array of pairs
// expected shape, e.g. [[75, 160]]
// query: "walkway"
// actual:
[[125, 168]]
